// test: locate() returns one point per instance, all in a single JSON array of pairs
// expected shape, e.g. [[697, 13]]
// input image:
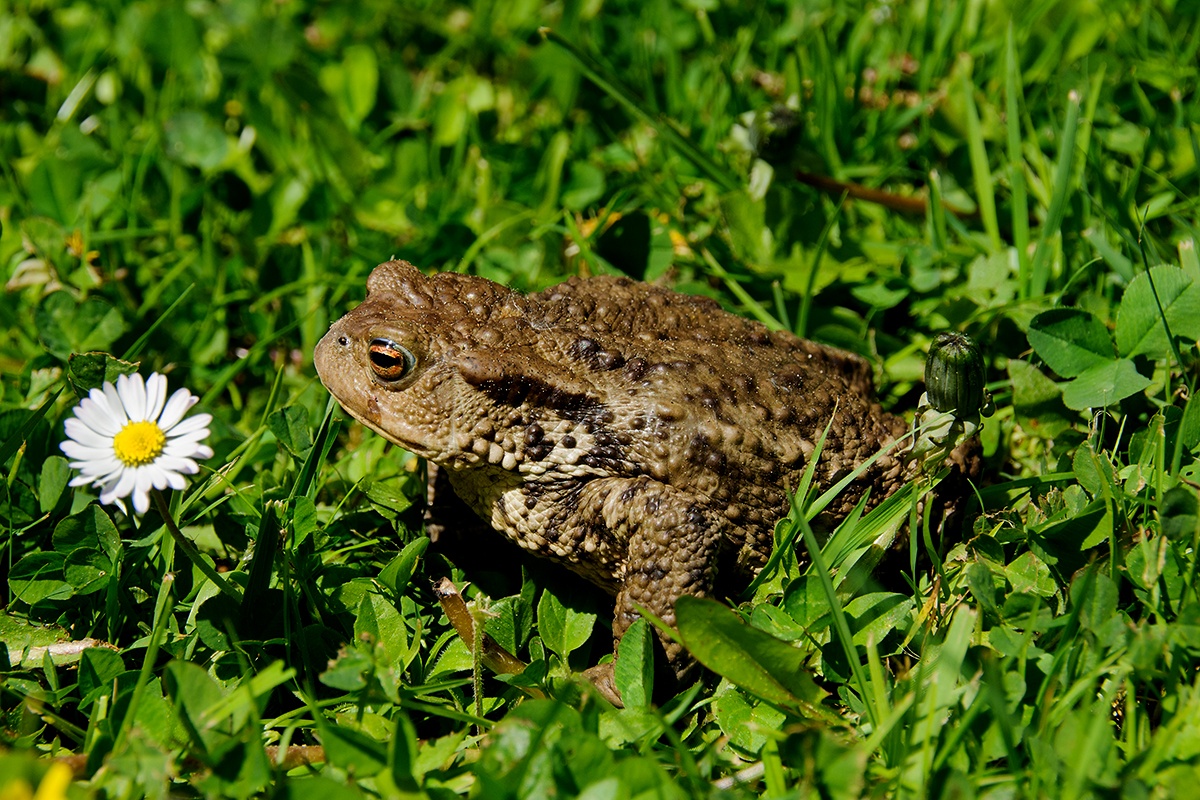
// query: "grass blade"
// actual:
[[612, 86], [985, 190], [1039, 270], [841, 625], [1013, 96]]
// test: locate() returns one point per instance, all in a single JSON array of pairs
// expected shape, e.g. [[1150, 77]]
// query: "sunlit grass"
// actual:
[[200, 189]]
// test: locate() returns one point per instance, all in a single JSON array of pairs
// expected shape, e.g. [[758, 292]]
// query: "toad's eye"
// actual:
[[389, 361]]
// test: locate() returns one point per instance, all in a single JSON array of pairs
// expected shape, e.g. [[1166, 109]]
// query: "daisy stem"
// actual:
[[190, 550]]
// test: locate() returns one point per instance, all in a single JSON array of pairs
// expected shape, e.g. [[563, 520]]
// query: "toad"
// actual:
[[640, 437]]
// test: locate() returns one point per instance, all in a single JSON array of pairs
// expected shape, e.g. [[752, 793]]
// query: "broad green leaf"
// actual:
[[306, 787], [52, 481], [87, 570], [54, 189], [501, 622], [195, 693], [291, 428], [1060, 544], [1104, 384], [982, 582], [379, 618], [873, 616], [746, 722], [434, 753], [1096, 599], [633, 671], [450, 119], [748, 230], [1102, 532], [346, 672], [1140, 328], [1093, 470], [515, 761], [585, 185], [47, 237], [88, 371], [38, 577], [399, 571], [749, 658], [944, 674], [1027, 573], [304, 519], [66, 327], [387, 498], [362, 74], [366, 627], [350, 749], [563, 629], [90, 529], [1179, 514], [460, 99], [805, 601], [1070, 341], [98, 666], [402, 754], [1032, 390], [1037, 399], [587, 761], [1189, 425], [195, 139]]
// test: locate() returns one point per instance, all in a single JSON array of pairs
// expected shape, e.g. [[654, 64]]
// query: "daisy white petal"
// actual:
[[86, 436], [183, 444], [196, 423], [156, 395], [120, 486], [96, 415], [97, 470], [114, 404], [100, 398], [143, 482], [181, 464], [81, 452], [132, 391], [175, 480], [141, 501], [176, 407], [184, 449]]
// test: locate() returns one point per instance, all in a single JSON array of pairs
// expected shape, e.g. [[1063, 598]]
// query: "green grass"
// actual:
[[203, 187]]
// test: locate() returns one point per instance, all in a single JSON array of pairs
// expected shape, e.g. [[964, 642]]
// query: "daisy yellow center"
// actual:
[[139, 443]]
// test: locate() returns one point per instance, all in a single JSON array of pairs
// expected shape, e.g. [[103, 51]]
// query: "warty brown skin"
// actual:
[[639, 436]]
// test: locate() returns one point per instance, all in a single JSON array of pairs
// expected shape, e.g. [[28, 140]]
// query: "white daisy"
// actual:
[[128, 438]]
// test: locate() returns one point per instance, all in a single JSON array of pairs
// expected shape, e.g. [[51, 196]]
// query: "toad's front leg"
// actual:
[[670, 541]]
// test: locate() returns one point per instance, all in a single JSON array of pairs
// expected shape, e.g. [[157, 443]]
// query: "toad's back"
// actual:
[[714, 403]]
